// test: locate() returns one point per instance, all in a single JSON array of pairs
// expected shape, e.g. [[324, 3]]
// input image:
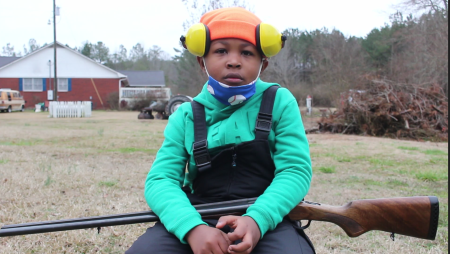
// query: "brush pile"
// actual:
[[392, 110]]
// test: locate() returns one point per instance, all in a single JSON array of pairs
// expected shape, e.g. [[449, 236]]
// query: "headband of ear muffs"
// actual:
[[269, 41]]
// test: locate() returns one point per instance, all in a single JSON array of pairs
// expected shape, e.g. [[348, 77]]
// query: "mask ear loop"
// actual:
[[204, 63], [260, 68]]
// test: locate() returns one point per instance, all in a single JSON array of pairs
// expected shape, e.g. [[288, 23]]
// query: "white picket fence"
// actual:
[[66, 109]]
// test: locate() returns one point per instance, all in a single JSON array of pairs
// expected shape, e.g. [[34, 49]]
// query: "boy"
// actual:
[[240, 138]]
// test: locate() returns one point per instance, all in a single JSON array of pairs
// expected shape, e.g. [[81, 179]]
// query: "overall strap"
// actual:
[[200, 146], [264, 120]]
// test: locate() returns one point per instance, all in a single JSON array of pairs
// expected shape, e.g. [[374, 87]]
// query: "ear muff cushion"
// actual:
[[208, 40], [269, 39], [258, 40], [198, 39]]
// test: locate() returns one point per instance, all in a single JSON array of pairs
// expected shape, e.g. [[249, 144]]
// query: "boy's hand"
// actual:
[[245, 229], [207, 240]]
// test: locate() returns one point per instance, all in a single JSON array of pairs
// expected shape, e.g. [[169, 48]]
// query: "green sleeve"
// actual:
[[164, 181], [292, 160]]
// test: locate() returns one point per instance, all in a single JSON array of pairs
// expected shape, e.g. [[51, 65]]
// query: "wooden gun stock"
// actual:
[[411, 216]]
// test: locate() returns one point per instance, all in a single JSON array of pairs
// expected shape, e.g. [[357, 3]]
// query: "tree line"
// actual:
[[322, 63]]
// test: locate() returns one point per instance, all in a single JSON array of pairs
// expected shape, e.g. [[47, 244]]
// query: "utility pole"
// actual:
[[50, 74], [55, 82]]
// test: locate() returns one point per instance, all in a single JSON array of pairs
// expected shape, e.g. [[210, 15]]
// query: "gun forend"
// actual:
[[410, 216]]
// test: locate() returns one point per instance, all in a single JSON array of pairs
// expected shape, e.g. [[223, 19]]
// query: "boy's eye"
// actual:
[[247, 53], [221, 51]]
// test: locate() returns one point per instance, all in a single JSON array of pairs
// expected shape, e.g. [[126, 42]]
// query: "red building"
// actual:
[[79, 77]]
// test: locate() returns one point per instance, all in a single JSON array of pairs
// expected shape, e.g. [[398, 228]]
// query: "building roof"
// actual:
[[4, 60], [145, 78], [71, 64]]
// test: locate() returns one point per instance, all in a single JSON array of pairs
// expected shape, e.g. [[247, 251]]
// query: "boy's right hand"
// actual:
[[206, 240]]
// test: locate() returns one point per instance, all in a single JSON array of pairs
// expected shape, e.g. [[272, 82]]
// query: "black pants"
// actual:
[[286, 238]]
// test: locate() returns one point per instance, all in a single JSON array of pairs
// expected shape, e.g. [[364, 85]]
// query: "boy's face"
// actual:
[[234, 62]]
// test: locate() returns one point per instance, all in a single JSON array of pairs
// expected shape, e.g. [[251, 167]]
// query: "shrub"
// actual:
[[113, 100], [123, 104]]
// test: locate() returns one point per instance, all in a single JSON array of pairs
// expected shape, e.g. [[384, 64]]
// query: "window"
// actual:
[[33, 85], [63, 85]]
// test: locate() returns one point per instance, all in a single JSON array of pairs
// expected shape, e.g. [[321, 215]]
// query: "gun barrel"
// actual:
[[94, 218], [76, 225], [214, 209]]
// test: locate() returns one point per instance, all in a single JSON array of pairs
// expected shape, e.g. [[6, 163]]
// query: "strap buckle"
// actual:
[[201, 155], [264, 122]]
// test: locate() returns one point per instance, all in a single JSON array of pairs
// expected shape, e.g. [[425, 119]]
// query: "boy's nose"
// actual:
[[233, 62], [234, 65]]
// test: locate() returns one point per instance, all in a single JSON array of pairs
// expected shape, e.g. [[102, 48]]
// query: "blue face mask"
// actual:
[[231, 95]]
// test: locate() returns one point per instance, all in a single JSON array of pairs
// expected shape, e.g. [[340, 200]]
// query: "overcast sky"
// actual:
[[159, 22]]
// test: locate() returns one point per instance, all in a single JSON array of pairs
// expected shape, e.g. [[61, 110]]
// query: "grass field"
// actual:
[[67, 168]]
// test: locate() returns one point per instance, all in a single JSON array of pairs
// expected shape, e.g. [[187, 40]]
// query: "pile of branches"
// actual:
[[392, 110]]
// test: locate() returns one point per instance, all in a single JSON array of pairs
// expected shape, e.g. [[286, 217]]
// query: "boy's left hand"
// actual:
[[245, 229]]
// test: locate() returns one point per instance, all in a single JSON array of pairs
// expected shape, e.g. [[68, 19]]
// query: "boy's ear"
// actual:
[[201, 63]]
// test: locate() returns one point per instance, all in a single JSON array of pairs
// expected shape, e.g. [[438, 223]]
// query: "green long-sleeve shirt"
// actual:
[[230, 125]]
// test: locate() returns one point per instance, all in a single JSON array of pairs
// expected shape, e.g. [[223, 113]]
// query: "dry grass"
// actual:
[[367, 168], [66, 168]]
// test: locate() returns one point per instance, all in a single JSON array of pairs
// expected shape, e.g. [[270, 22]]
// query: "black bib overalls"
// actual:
[[233, 172], [226, 173]]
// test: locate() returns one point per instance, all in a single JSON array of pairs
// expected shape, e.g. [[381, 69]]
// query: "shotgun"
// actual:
[[410, 216]]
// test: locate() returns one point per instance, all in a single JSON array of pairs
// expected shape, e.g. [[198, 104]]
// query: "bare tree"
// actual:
[[339, 62], [424, 59], [440, 6], [197, 8], [8, 50], [283, 68], [33, 46]]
